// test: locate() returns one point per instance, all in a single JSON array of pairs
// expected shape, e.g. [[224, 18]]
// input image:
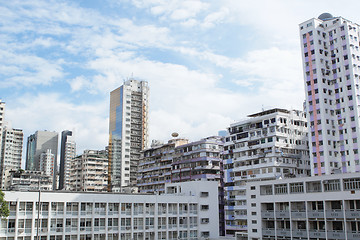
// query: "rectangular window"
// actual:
[[351, 184], [297, 187], [281, 189], [331, 185]]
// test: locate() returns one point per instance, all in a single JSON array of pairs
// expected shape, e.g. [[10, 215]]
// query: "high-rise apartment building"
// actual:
[[46, 164], [11, 143], [331, 63], [155, 164], [128, 132], [67, 153], [89, 172], [11, 151], [39, 143], [271, 144]]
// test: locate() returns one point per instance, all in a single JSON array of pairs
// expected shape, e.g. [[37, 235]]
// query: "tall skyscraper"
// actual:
[[128, 132], [39, 143], [331, 63], [67, 153]]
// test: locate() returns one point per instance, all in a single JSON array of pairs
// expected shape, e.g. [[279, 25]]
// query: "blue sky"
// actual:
[[208, 63]]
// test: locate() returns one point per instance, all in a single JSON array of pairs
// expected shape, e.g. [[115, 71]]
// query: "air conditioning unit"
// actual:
[[21, 230]]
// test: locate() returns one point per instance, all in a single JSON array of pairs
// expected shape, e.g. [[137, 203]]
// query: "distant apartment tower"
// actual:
[[271, 144], [89, 172], [46, 164], [39, 143], [199, 160], [155, 166], [11, 151], [128, 132], [2, 116], [67, 153], [11, 143], [331, 63]]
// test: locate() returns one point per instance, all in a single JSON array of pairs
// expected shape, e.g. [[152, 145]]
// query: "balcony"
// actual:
[[282, 214], [300, 233], [298, 214], [317, 234], [353, 235], [334, 214], [267, 214], [315, 214], [268, 232], [352, 214], [336, 235], [283, 232], [236, 227]]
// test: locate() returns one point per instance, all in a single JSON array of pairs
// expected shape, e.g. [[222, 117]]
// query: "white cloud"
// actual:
[[28, 69], [78, 83], [174, 10], [216, 17]]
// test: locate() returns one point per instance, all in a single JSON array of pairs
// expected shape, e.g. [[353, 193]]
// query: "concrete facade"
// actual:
[[89, 172], [184, 211], [321, 207], [268, 145]]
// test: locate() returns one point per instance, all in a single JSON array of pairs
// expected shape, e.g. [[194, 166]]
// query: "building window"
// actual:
[[313, 187], [297, 187], [204, 194], [204, 207], [351, 184], [205, 234], [205, 221], [331, 185], [281, 189]]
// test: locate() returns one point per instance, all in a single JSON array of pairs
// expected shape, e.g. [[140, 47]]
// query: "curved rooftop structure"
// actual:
[[325, 16]]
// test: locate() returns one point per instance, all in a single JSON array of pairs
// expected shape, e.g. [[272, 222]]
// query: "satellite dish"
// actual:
[[175, 134]]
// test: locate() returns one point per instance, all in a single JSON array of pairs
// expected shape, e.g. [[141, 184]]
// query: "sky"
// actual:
[[208, 63]]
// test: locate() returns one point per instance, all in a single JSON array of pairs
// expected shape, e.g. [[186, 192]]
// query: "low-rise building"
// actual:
[[184, 211], [320, 207], [24, 180]]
